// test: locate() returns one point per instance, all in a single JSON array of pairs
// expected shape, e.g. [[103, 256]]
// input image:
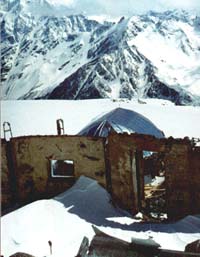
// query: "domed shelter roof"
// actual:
[[121, 120]]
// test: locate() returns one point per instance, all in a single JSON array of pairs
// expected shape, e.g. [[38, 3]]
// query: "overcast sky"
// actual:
[[126, 7]]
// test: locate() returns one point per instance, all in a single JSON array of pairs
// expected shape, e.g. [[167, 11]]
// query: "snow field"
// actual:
[[33, 117]]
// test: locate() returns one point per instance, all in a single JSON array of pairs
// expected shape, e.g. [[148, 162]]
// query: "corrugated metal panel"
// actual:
[[121, 120]]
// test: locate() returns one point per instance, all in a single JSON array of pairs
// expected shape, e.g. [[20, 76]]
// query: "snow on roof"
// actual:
[[121, 120]]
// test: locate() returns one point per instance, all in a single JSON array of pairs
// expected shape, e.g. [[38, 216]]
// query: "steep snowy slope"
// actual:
[[48, 55], [36, 49]]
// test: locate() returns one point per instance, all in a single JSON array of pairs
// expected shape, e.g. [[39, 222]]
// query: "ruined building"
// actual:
[[36, 167]]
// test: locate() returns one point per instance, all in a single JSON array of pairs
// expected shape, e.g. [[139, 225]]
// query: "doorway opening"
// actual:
[[154, 184]]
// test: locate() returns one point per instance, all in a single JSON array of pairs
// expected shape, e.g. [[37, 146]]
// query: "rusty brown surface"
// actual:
[[32, 156], [6, 195], [116, 163], [182, 172]]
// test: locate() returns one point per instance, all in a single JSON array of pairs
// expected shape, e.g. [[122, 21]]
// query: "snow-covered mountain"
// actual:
[[48, 54]]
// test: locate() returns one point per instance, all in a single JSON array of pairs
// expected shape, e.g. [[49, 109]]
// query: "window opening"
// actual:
[[62, 168]]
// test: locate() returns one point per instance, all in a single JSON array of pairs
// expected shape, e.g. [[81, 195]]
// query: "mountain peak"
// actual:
[[35, 8], [73, 57]]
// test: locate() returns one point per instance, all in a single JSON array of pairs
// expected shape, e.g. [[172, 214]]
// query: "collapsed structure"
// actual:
[[36, 167]]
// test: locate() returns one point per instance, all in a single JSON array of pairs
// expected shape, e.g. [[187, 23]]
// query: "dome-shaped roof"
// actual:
[[121, 120]]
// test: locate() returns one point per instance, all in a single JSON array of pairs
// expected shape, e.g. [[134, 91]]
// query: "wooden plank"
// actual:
[[83, 248]]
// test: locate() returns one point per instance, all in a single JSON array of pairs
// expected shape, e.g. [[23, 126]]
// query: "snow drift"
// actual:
[[67, 218]]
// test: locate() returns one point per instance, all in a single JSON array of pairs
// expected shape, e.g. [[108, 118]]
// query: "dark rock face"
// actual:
[[160, 90], [193, 247]]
